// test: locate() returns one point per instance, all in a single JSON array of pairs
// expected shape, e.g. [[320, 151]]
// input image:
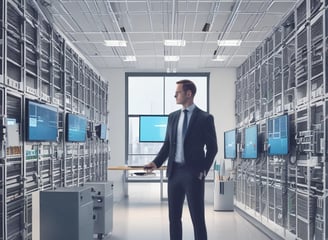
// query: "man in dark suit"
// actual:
[[190, 146]]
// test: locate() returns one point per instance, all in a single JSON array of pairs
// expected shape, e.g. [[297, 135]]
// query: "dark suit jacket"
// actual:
[[200, 133]]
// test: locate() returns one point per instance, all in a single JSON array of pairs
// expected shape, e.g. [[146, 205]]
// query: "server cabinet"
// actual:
[[290, 78], [66, 214]]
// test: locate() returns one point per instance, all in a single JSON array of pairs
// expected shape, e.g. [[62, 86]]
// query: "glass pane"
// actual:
[[200, 97], [139, 160], [145, 95]]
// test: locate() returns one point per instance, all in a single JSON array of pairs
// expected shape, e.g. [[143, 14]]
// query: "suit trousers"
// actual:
[[180, 185]]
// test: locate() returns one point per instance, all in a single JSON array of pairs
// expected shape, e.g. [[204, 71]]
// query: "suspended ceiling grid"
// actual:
[[145, 24]]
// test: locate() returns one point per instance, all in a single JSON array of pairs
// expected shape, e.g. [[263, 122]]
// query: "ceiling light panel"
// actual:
[[171, 58], [115, 43], [220, 58], [130, 59], [175, 43], [231, 43]]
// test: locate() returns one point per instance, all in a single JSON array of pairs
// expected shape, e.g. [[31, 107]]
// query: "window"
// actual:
[[153, 94]]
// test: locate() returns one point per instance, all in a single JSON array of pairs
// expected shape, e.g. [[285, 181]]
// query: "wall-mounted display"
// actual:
[[76, 128], [230, 144], [101, 131], [250, 142], [278, 134], [41, 122]]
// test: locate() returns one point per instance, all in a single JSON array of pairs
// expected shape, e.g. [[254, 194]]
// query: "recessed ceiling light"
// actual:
[[229, 42], [220, 58], [177, 43], [130, 59], [171, 58], [115, 43]]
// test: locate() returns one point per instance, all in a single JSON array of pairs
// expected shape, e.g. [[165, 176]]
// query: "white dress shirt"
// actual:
[[179, 155]]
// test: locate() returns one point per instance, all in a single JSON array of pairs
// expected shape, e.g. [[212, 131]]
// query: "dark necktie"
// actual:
[[185, 123]]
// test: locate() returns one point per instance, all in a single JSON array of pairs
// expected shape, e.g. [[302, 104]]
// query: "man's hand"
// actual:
[[202, 175], [150, 167]]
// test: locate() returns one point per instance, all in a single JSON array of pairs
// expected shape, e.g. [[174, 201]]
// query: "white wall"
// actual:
[[222, 95]]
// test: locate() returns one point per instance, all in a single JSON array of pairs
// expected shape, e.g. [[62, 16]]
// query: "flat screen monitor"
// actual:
[[152, 128], [42, 122], [101, 131], [278, 133], [250, 142], [230, 144], [76, 128], [11, 121]]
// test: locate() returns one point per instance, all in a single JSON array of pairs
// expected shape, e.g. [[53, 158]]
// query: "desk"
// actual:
[[126, 168]]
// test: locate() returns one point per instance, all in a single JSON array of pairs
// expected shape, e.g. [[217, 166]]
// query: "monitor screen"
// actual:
[[41, 122], [11, 121], [250, 142], [101, 131], [152, 128], [76, 128], [278, 135], [230, 144]]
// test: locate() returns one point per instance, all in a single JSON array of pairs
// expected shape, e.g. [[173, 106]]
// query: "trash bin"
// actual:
[[223, 188], [223, 195]]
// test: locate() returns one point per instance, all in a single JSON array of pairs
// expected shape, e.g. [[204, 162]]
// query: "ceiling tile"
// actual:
[[148, 22], [280, 7]]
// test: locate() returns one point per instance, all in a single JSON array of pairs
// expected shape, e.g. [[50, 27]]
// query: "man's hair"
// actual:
[[188, 85]]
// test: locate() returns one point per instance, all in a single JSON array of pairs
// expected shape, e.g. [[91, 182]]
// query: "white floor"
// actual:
[[143, 216]]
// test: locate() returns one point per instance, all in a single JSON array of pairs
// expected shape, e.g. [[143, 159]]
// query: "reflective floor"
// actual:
[[144, 216]]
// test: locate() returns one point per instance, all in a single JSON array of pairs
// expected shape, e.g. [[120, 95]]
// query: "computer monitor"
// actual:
[[250, 142], [230, 144], [152, 128], [76, 128], [101, 131], [278, 135], [42, 122]]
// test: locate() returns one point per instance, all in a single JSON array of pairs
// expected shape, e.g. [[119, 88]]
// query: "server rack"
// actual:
[[290, 77], [38, 63]]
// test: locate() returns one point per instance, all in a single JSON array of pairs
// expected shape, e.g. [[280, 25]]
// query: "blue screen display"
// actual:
[[152, 128], [278, 135], [250, 141], [41, 122], [76, 128], [101, 131], [230, 144]]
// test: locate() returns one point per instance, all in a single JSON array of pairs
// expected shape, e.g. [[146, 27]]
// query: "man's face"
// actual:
[[180, 95]]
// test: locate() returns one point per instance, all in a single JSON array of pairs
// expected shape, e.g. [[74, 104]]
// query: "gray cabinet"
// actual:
[[67, 214]]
